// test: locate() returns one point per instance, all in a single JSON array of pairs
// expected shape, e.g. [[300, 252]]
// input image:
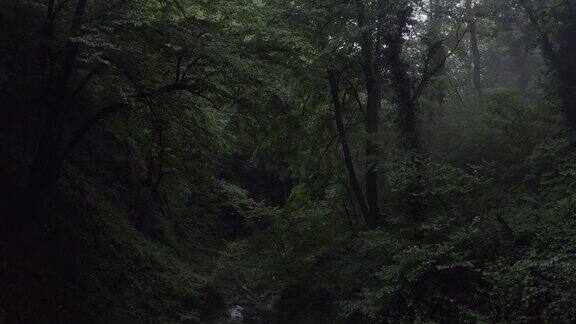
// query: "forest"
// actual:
[[286, 162]]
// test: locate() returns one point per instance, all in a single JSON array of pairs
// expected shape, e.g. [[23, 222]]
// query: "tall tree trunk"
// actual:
[[436, 53], [565, 66], [436, 48], [474, 47], [518, 48], [72, 48], [561, 60], [407, 102], [48, 161], [373, 89], [355, 184], [402, 84]]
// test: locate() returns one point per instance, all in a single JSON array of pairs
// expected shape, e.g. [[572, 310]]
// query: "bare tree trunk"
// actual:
[[372, 111], [474, 47], [47, 164], [356, 188], [565, 63], [73, 47], [436, 48], [517, 46], [561, 60]]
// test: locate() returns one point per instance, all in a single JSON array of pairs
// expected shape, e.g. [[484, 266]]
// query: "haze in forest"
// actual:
[[304, 161]]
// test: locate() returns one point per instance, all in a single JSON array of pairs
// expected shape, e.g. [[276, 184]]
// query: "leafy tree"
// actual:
[[362, 161]]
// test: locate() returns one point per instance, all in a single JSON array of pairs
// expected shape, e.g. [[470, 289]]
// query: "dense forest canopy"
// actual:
[[271, 161]]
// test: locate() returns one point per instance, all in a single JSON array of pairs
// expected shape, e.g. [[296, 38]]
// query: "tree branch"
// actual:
[[356, 97], [58, 8], [85, 81], [89, 124], [181, 9], [428, 76]]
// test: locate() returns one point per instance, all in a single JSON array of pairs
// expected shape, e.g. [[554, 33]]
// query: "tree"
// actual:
[[371, 51], [356, 188], [556, 28], [89, 42], [436, 45], [474, 45]]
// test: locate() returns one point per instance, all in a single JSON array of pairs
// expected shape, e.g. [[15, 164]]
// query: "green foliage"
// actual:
[[154, 216]]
